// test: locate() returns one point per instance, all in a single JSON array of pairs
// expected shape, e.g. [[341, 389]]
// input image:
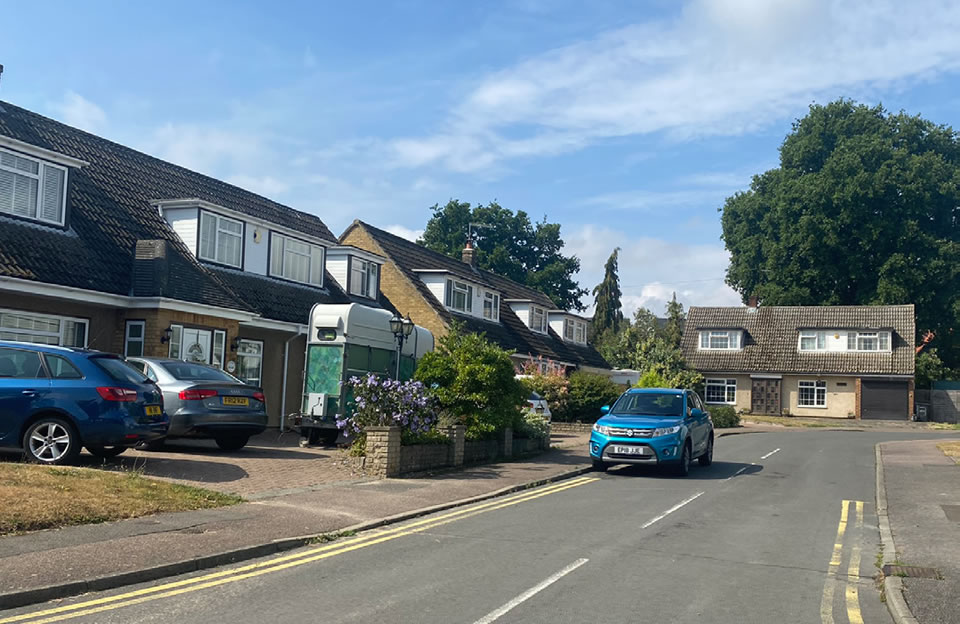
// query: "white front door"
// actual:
[[196, 345]]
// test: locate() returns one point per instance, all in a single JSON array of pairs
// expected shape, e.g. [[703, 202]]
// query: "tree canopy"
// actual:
[[607, 307], [512, 246], [863, 209]]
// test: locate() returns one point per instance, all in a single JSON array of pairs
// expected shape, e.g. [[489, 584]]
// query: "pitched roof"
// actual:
[[510, 332], [109, 210], [771, 334]]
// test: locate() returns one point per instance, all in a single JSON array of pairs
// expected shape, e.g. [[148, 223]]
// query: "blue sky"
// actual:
[[628, 123]]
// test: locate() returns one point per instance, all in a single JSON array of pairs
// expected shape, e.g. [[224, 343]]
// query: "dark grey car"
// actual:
[[205, 402]]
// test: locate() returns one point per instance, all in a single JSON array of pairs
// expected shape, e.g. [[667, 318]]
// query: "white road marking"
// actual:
[[671, 510], [770, 453], [539, 587], [739, 472]]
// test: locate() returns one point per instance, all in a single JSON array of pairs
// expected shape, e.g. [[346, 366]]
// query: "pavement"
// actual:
[[781, 528], [922, 487]]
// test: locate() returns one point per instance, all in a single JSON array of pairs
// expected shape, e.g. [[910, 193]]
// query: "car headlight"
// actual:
[[662, 431], [602, 429]]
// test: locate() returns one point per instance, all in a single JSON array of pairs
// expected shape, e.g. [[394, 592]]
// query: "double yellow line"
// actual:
[[853, 569], [277, 564]]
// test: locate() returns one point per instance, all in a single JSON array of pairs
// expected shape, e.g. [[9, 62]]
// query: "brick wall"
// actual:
[[475, 451], [101, 330], [420, 457]]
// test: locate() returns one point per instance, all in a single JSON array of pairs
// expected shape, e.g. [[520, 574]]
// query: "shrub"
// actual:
[[532, 426], [588, 393], [550, 382], [652, 379], [724, 416], [387, 402], [473, 382]]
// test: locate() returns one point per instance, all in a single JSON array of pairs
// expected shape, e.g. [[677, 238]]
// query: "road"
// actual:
[[782, 528]]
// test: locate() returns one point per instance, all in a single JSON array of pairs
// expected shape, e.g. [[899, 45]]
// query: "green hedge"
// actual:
[[587, 393], [724, 416]]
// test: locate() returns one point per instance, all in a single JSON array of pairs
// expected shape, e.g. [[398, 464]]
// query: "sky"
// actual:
[[628, 123]]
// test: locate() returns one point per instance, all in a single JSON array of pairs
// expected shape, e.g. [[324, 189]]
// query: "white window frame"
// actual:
[[729, 388], [204, 214], [493, 299], [819, 338], [734, 339], [819, 393], [241, 343], [540, 328], [219, 342], [369, 273], [580, 332], [568, 329], [455, 287], [278, 241], [40, 177], [127, 338], [59, 335], [857, 339]]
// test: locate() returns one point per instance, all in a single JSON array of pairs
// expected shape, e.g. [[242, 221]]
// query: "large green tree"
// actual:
[[676, 318], [863, 209], [511, 245], [607, 313]]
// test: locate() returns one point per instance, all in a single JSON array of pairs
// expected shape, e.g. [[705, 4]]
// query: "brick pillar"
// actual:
[[910, 399], [508, 442], [458, 434], [857, 415], [383, 451]]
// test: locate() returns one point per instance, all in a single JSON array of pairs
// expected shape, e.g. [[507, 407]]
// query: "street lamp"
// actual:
[[401, 328]]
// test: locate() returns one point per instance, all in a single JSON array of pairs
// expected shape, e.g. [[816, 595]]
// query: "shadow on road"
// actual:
[[717, 471]]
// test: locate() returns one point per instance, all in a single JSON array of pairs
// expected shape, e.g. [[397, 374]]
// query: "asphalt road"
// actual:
[[781, 529]]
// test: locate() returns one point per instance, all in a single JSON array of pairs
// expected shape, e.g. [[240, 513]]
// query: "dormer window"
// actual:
[[813, 341], [221, 240], [575, 330], [31, 188], [868, 341], [459, 296], [363, 278], [720, 340], [538, 319], [296, 260], [491, 306]]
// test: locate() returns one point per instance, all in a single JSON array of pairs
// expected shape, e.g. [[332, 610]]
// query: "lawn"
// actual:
[[792, 421], [45, 497], [951, 449]]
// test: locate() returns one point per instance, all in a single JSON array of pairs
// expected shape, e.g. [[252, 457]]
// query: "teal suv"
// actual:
[[653, 426]]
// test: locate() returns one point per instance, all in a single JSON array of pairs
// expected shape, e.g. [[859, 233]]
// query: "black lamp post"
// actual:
[[401, 328]]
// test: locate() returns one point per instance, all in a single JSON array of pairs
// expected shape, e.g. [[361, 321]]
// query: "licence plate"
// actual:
[[236, 401], [154, 410], [630, 450]]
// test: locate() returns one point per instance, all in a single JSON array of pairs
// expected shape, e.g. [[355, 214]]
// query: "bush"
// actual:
[[532, 426], [724, 416], [588, 393], [653, 379], [550, 382], [473, 382], [387, 402]]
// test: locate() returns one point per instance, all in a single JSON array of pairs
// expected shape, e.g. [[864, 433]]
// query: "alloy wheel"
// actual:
[[49, 442]]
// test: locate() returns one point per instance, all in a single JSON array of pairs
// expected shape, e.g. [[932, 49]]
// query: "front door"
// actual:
[[765, 396], [196, 345]]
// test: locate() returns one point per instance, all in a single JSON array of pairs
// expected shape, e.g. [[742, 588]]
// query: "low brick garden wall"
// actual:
[[476, 451], [562, 427], [419, 457]]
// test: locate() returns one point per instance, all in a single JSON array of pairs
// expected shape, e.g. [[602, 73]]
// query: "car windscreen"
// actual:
[[189, 371], [534, 397], [649, 404], [119, 369]]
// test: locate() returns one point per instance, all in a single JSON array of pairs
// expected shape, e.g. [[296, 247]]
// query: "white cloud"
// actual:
[[75, 110], [404, 232], [210, 150], [267, 186], [721, 67]]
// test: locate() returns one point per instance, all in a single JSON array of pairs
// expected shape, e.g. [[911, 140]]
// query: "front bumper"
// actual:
[[655, 450]]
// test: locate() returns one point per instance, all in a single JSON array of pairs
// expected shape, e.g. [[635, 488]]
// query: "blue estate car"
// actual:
[[653, 426], [53, 400]]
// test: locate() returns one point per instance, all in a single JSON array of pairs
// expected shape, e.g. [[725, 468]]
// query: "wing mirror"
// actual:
[[605, 409], [696, 413]]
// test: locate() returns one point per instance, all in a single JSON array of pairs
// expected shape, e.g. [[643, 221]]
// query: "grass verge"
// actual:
[[792, 421], [944, 426], [45, 497], [950, 449]]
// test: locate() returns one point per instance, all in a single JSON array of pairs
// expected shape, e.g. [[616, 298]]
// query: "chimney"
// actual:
[[468, 255], [752, 303]]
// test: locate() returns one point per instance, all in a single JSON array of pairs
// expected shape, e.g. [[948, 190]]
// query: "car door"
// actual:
[[703, 421], [23, 386], [696, 417]]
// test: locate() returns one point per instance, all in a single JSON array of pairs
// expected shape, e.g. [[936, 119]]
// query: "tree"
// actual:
[[607, 313], [512, 246], [676, 318], [863, 209]]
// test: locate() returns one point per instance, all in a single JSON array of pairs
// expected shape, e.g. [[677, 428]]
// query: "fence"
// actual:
[[942, 405]]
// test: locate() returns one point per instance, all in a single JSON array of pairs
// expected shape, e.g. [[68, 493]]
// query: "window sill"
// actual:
[[720, 402], [811, 406]]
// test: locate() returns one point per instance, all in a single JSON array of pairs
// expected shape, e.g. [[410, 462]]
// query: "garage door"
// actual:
[[883, 400]]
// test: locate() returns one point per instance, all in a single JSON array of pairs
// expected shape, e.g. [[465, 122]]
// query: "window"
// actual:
[[176, 337], [250, 361], [219, 346], [720, 339], [42, 328], [31, 188], [19, 364], [61, 368], [363, 278], [813, 340], [295, 260], [868, 341], [133, 340], [459, 296], [721, 391], [580, 332], [812, 394], [491, 306], [538, 319], [118, 369], [189, 371], [221, 239]]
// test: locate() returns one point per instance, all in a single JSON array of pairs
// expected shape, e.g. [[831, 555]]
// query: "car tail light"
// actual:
[[196, 395], [110, 393], [259, 397]]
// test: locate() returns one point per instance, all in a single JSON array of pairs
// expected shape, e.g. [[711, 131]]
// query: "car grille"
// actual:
[[621, 432]]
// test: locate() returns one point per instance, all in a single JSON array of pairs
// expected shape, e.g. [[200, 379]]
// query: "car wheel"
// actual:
[[330, 436], [51, 441], [683, 466], [707, 458], [600, 466], [232, 443], [106, 452]]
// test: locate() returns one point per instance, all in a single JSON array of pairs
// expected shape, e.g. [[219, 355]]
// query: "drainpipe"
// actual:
[[286, 364]]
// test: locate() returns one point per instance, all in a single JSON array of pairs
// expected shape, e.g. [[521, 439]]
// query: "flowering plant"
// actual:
[[388, 402]]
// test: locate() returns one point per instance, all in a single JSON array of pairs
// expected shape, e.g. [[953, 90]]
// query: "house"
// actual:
[[105, 247], [436, 290], [833, 361]]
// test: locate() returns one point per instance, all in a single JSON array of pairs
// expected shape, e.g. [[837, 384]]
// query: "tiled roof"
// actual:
[[510, 332], [276, 299], [771, 334], [109, 210]]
